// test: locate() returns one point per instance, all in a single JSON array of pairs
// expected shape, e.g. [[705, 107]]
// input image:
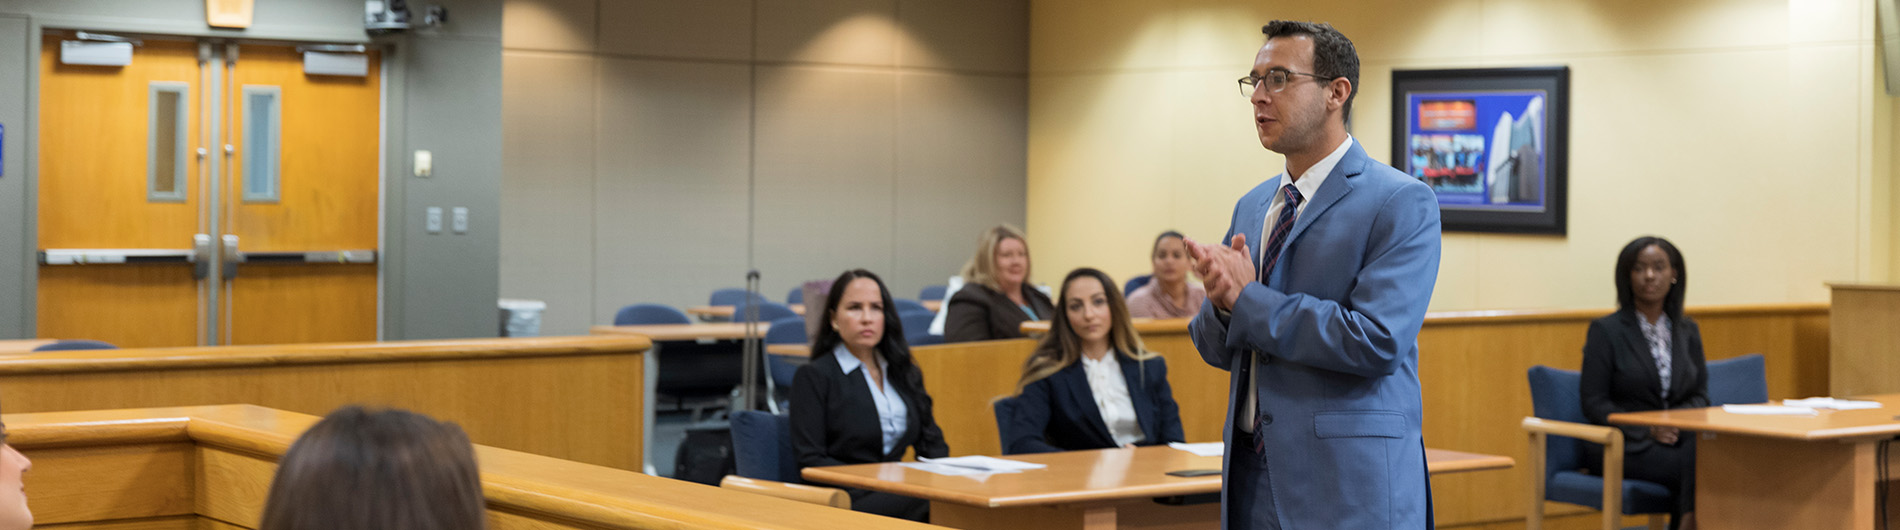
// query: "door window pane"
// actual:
[[262, 122], [165, 164]]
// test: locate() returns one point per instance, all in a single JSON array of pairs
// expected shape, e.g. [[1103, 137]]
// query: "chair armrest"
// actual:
[[1597, 434], [819, 495]]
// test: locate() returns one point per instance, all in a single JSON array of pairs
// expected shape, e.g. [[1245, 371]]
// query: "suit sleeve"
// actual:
[[1599, 376], [810, 407], [1372, 336], [968, 318], [1031, 421], [1698, 389], [1167, 412], [930, 441]]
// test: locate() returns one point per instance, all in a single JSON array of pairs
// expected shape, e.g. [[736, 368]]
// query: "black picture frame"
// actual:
[[1449, 130]]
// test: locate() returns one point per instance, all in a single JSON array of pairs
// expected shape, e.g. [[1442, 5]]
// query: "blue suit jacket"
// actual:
[[1058, 413], [1337, 330]]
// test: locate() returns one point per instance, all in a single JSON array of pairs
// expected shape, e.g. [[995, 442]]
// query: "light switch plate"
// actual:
[[459, 219], [433, 221], [425, 163]]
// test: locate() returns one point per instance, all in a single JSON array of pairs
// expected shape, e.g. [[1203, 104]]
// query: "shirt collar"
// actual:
[[849, 362], [1308, 183], [1106, 360]]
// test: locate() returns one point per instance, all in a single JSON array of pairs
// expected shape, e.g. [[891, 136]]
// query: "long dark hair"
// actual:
[[1626, 261], [1062, 346], [377, 470], [902, 369]]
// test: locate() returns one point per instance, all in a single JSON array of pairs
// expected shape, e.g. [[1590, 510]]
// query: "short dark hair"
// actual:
[[1626, 261], [1333, 54], [1163, 237], [391, 469]]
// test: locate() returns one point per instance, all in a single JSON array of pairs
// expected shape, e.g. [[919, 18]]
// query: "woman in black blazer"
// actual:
[[1091, 384], [996, 297], [1648, 356], [861, 398]]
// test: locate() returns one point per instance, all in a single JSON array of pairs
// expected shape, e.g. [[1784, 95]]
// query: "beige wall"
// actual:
[[1743, 130], [654, 146]]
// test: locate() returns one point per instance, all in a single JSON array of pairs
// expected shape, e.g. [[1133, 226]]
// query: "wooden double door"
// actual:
[[207, 193]]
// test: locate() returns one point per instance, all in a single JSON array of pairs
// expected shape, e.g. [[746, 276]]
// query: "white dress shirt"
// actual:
[[1111, 397], [1308, 184], [892, 414]]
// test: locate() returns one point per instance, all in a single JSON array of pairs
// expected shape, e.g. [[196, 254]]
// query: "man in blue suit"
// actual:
[[1314, 304]]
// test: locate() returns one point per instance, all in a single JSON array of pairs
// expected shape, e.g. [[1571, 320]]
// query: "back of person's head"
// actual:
[[981, 269], [364, 469]]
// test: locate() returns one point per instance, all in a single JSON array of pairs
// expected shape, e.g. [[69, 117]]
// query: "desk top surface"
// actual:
[[1827, 425], [711, 331], [1081, 476], [1142, 325]]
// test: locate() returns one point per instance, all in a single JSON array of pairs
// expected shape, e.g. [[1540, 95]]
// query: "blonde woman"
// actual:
[[996, 297], [1090, 384]]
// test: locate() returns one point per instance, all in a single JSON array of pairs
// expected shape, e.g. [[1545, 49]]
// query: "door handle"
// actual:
[[231, 256], [201, 256]]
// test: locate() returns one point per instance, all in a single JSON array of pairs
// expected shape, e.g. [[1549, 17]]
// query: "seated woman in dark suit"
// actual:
[[861, 398], [1648, 356], [1090, 384], [996, 297]]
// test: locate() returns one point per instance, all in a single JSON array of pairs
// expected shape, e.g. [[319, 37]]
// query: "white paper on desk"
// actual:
[[946, 470], [1768, 410], [1201, 449], [984, 464], [1831, 403]]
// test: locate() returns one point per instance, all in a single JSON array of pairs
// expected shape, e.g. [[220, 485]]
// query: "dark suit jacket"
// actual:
[[978, 312], [1619, 374], [1058, 413], [834, 418]]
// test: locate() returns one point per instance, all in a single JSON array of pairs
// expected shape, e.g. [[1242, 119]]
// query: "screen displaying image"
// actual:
[[1482, 150]]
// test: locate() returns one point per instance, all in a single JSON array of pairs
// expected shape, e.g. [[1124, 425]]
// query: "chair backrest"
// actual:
[[768, 312], [1738, 380], [906, 304], [932, 292], [916, 324], [637, 314], [1136, 283], [762, 446], [796, 296], [1554, 396], [732, 296], [787, 331], [1005, 409], [66, 345]]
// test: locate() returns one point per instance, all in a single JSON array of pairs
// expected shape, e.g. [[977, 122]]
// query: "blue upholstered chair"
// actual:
[[796, 296], [69, 345], [1136, 283], [1557, 434], [1005, 409], [637, 314], [1738, 380], [784, 331], [906, 304], [932, 292], [916, 324], [768, 312], [731, 296], [766, 464]]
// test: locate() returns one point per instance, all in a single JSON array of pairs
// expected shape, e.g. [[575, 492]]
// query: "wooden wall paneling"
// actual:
[[177, 522], [288, 304], [963, 380], [1868, 358], [232, 487], [129, 306], [111, 482]]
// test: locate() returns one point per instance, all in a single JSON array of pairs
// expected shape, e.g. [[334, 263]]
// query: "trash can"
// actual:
[[521, 318]]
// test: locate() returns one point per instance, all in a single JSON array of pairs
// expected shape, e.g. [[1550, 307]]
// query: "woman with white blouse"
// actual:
[[1091, 384]]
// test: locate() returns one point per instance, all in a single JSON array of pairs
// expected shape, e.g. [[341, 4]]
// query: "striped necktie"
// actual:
[[1288, 211]]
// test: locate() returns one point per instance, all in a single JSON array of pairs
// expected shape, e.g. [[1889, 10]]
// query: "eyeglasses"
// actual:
[[1275, 80]]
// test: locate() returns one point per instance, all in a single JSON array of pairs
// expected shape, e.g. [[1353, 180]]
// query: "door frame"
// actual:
[[391, 107]]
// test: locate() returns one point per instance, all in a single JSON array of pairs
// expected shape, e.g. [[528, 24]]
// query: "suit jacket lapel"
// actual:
[[1638, 345], [1084, 399], [1336, 186], [1131, 374]]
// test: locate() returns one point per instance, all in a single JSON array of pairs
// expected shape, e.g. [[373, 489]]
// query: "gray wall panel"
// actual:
[[672, 177], [453, 109], [560, 25], [978, 35], [700, 29], [16, 218], [961, 168], [824, 178], [547, 243], [828, 31]]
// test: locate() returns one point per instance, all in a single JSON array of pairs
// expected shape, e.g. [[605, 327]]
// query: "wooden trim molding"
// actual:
[[89, 361]]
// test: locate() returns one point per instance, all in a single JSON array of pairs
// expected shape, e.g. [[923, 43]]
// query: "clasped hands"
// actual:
[[1224, 270]]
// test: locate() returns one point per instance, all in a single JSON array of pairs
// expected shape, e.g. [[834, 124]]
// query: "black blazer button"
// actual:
[[1266, 420]]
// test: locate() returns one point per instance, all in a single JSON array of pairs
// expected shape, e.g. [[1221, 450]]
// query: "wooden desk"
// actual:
[[1143, 326], [1785, 471], [500, 390], [791, 350], [210, 468], [724, 312], [13, 347], [1103, 489]]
